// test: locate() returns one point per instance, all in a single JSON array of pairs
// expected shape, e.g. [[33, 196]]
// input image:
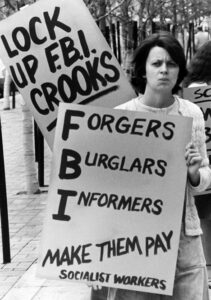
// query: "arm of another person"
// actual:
[[199, 172]]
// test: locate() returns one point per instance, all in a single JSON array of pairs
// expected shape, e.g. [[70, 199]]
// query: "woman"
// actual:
[[199, 68], [159, 68]]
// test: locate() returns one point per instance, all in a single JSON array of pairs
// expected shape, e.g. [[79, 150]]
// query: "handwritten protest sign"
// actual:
[[115, 200], [56, 53], [202, 97]]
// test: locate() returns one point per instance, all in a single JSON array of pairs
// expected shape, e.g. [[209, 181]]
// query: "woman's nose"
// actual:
[[164, 68]]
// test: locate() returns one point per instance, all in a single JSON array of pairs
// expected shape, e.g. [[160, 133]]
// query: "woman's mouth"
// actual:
[[163, 79]]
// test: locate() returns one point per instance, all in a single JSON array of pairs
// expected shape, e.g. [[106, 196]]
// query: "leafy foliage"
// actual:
[[176, 11], [9, 7]]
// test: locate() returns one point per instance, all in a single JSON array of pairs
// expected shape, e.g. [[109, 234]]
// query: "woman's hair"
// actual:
[[199, 68], [171, 45]]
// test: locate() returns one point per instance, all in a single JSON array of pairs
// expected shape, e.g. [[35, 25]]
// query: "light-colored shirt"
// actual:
[[201, 37]]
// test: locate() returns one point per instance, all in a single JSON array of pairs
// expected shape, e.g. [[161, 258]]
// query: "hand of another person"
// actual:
[[94, 286], [193, 161]]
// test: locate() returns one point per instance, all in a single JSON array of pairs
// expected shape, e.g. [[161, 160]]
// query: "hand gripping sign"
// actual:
[[116, 197], [55, 53]]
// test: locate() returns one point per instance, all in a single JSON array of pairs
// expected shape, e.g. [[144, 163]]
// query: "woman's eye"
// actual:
[[172, 64], [157, 64], [169, 64]]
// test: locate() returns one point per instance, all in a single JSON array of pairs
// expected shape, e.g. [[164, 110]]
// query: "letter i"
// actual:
[[83, 42], [60, 216]]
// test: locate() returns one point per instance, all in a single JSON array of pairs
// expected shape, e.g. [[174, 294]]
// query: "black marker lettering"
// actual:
[[68, 125], [53, 22], [60, 216], [70, 159]]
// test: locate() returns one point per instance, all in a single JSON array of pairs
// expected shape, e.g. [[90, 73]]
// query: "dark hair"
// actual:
[[199, 68], [171, 45]]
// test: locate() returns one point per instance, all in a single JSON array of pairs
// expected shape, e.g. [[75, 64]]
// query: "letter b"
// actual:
[[70, 164]]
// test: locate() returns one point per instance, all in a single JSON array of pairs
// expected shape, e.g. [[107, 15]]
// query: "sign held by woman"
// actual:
[[109, 204]]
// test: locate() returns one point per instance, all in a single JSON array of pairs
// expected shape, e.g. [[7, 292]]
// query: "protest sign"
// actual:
[[116, 197], [201, 96], [55, 52]]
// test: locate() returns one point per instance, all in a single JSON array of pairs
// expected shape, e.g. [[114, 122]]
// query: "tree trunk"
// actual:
[[32, 185], [102, 13], [142, 34]]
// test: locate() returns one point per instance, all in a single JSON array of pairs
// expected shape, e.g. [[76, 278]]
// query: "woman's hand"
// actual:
[[193, 161]]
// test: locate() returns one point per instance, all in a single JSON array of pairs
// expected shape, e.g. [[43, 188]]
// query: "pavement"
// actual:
[[26, 212]]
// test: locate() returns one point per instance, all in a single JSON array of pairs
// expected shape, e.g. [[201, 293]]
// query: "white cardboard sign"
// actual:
[[56, 53], [115, 200]]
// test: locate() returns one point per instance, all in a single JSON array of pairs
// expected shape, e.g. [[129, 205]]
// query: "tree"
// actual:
[[32, 186]]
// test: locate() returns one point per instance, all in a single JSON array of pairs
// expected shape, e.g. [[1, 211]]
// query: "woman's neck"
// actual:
[[157, 100]]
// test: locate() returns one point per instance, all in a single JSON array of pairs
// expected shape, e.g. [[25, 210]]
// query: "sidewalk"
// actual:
[[17, 279]]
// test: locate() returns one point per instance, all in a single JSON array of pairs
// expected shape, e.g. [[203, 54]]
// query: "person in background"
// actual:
[[199, 68], [201, 37], [159, 69], [199, 76]]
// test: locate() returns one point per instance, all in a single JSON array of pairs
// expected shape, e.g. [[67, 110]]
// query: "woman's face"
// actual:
[[161, 71]]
